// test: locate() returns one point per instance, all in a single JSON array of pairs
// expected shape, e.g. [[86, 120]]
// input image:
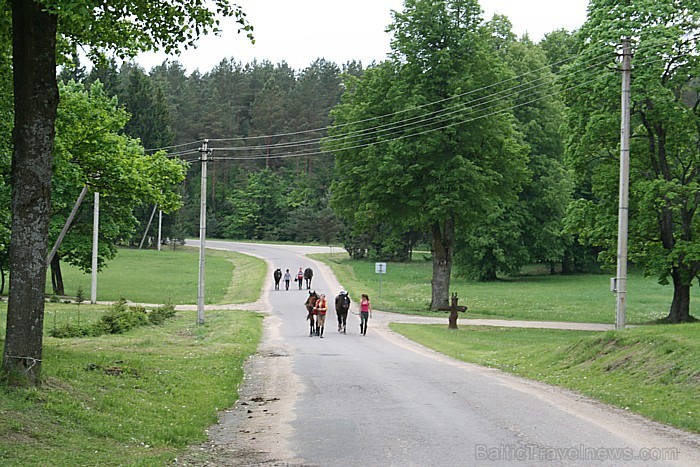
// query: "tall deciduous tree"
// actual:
[[665, 161], [124, 26], [529, 228], [90, 151], [418, 142]]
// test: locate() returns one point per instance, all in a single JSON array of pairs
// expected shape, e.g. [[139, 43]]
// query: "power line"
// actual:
[[420, 124]]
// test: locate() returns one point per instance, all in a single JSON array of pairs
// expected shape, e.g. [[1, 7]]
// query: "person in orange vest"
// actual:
[[321, 308]]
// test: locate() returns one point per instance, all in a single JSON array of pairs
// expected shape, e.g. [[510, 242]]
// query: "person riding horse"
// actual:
[[308, 275], [278, 277], [342, 306], [310, 305]]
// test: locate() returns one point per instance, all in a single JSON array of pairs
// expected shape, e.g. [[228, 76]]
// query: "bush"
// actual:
[[121, 318], [118, 319], [70, 330], [160, 314]]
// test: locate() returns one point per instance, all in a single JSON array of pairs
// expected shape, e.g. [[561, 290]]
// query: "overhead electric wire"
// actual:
[[405, 136], [546, 67], [420, 124], [438, 116], [400, 137], [418, 120]]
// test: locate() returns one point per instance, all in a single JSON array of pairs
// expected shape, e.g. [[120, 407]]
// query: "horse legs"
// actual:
[[311, 325]]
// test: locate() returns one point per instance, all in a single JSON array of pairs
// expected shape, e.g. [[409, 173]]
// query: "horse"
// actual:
[[278, 276], [308, 275], [342, 305], [310, 303]]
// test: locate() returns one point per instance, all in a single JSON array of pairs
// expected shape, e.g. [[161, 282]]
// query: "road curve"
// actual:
[[352, 400]]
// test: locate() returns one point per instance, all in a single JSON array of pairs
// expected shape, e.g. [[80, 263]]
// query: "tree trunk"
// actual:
[[56, 276], [680, 306], [35, 104], [443, 241]]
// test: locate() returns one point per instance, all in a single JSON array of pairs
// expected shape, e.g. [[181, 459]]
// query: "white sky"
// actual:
[[300, 31]]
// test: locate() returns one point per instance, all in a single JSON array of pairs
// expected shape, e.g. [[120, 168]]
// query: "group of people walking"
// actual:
[[303, 276], [317, 308], [317, 305]]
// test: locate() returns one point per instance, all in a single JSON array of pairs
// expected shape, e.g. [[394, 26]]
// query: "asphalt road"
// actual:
[[381, 400]]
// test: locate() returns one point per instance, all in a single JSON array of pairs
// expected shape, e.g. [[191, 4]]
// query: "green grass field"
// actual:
[[149, 276], [405, 288], [650, 370]]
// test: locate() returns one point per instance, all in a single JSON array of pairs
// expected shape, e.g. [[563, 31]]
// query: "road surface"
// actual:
[[379, 399]]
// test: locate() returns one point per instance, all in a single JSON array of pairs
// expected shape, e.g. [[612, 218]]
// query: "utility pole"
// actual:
[[202, 232], [150, 220], [623, 211], [95, 232], [66, 226], [160, 227]]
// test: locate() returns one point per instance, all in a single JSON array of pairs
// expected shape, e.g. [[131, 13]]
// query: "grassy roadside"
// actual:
[[134, 399], [149, 276], [651, 370], [138, 398]]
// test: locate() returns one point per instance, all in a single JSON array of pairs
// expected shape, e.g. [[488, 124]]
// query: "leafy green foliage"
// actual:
[[664, 191], [414, 147], [91, 151]]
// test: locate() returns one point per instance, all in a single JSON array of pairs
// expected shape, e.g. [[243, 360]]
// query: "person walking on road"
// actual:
[[365, 313], [287, 279], [300, 278], [321, 308]]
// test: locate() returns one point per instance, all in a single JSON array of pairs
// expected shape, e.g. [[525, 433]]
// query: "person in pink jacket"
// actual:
[[365, 313]]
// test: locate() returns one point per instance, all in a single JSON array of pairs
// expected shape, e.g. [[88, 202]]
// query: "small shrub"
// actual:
[[121, 318], [79, 295], [160, 314], [69, 330]]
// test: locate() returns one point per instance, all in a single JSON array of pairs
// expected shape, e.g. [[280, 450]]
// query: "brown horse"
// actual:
[[308, 275], [342, 305], [310, 303]]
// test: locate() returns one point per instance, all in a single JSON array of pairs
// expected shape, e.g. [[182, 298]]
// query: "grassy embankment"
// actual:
[[138, 398], [653, 370]]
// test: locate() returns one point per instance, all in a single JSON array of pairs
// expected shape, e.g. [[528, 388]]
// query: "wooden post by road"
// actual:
[[453, 311]]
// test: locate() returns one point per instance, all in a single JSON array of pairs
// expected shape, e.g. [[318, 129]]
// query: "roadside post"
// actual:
[[380, 268]]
